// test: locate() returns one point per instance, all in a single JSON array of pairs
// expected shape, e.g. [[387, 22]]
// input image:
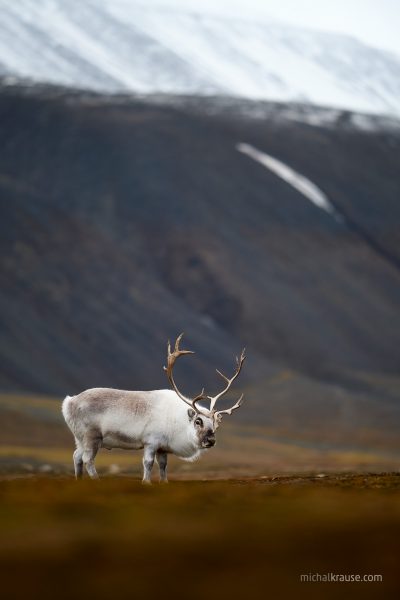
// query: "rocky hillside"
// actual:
[[126, 220]]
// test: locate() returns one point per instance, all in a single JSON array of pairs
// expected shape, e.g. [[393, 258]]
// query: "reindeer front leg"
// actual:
[[148, 462], [162, 458]]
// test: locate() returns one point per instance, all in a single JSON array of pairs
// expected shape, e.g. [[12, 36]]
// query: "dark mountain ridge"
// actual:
[[127, 220]]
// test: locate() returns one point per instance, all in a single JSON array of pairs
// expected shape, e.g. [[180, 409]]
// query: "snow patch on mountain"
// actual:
[[299, 182]]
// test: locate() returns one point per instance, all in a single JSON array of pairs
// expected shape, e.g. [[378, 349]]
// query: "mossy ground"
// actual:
[[239, 538]]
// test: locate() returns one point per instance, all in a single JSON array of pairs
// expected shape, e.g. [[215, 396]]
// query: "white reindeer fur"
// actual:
[[157, 421]]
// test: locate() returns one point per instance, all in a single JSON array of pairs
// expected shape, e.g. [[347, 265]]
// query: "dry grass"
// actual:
[[234, 457], [34, 434]]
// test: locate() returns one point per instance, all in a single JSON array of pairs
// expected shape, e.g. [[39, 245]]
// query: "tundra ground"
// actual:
[[311, 506], [239, 538]]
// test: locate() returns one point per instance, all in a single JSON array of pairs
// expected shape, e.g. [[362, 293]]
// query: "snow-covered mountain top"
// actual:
[[119, 46]]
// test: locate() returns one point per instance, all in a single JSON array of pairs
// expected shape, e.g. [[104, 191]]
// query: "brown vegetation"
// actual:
[[228, 539]]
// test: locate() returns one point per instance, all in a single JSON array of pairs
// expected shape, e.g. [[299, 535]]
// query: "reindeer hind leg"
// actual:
[[148, 461], [78, 461], [91, 445]]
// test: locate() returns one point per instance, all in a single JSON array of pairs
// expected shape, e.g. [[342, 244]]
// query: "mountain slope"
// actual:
[[113, 45], [126, 221]]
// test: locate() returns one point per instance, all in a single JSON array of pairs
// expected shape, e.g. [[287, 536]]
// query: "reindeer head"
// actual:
[[205, 420], [204, 428]]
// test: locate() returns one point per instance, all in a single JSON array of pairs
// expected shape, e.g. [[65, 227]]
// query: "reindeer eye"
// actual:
[[198, 422]]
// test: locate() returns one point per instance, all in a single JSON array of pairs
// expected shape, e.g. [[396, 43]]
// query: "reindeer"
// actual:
[[161, 422]]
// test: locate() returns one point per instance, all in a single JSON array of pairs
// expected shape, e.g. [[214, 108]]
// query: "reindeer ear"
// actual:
[[191, 413]]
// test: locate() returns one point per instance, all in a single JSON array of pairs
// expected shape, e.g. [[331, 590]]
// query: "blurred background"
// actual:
[[227, 169]]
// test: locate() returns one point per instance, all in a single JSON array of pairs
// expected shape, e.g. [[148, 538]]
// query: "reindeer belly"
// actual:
[[118, 439]]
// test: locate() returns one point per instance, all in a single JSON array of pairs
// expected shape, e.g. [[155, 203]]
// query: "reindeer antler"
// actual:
[[214, 399], [171, 359], [211, 412], [239, 364]]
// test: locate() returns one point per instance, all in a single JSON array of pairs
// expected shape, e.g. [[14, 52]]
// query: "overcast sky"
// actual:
[[375, 22]]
